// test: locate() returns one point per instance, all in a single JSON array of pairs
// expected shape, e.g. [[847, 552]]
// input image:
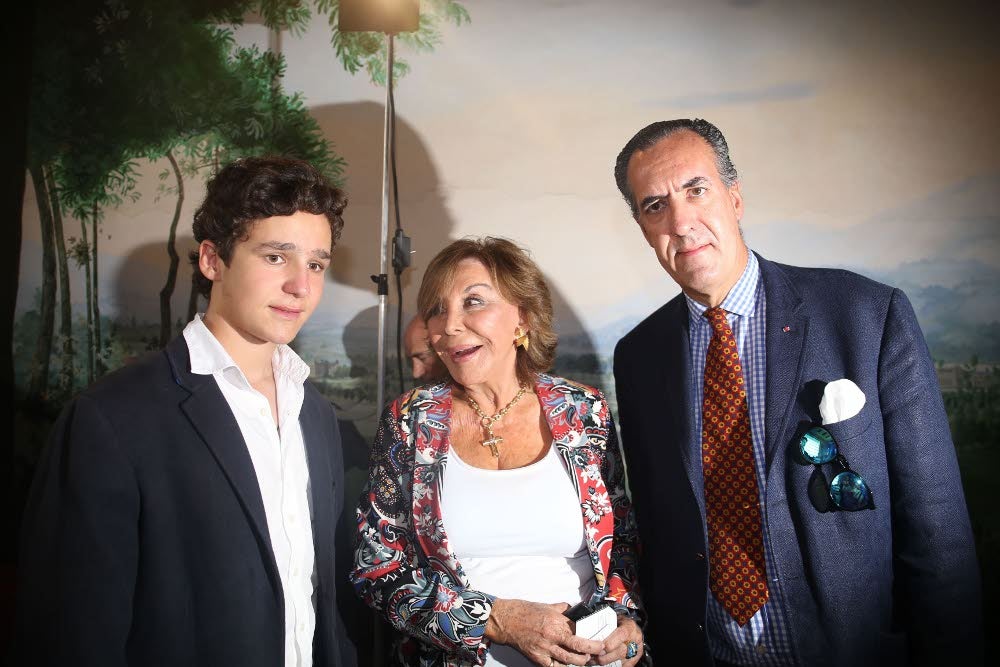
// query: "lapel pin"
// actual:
[[786, 328]]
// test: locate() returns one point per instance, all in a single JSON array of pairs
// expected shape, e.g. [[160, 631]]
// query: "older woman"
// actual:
[[496, 498]]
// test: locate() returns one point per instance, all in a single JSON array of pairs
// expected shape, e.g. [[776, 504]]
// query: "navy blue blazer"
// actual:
[[895, 585], [144, 539]]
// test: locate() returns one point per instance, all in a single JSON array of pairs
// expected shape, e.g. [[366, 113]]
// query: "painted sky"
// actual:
[[865, 135]]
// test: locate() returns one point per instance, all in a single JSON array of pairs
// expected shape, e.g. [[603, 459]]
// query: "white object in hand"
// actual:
[[842, 399], [598, 626]]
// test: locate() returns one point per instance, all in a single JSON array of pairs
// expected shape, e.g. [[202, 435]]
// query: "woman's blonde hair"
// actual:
[[519, 281]]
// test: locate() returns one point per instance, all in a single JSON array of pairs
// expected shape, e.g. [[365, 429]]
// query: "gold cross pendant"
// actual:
[[492, 444]]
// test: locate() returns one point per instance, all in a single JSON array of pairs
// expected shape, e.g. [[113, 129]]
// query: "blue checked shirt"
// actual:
[[765, 639]]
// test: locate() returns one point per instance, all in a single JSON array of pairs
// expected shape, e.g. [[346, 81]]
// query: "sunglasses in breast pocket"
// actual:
[[847, 490]]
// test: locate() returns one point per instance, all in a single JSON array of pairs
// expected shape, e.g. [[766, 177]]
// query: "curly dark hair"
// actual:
[[519, 281], [256, 188], [653, 133]]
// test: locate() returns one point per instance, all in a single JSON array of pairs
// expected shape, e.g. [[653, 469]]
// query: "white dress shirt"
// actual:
[[279, 461]]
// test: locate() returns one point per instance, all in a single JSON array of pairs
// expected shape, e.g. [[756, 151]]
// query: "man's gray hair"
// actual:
[[655, 132]]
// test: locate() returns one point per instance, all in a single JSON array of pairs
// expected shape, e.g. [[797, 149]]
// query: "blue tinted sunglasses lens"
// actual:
[[849, 492], [817, 445]]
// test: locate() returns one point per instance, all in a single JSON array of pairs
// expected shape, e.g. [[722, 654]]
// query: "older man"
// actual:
[[426, 365], [768, 541]]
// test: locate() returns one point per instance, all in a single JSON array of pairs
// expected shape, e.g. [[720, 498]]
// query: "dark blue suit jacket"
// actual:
[[144, 539], [895, 585]]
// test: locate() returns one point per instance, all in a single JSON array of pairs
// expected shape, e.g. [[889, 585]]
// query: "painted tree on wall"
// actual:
[[116, 83]]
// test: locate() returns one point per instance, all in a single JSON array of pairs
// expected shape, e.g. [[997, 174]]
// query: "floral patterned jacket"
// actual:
[[403, 565]]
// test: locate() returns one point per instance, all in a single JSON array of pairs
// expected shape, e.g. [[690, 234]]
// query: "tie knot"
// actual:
[[717, 318]]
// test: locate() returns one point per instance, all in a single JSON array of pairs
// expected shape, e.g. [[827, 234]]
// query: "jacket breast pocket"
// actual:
[[845, 431]]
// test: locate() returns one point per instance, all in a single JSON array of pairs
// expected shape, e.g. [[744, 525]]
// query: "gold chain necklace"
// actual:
[[491, 440]]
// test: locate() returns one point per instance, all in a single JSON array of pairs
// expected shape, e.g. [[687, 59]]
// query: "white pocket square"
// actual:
[[842, 399]]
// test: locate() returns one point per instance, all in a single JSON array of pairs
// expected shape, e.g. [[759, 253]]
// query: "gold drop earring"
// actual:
[[521, 338]]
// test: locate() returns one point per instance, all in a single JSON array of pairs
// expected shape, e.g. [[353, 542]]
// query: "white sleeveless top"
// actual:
[[518, 534]]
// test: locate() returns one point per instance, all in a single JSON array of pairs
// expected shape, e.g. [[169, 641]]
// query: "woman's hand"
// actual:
[[616, 644], [540, 632]]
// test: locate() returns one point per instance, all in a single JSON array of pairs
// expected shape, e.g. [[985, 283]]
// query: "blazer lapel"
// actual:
[[569, 437], [787, 327], [670, 393], [428, 413], [212, 418]]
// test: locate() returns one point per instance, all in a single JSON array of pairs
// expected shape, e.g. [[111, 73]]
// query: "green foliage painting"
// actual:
[[116, 83]]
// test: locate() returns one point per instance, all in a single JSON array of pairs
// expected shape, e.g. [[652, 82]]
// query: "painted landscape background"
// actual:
[[865, 135]]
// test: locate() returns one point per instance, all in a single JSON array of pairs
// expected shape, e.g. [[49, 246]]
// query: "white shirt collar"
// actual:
[[742, 298], [208, 356]]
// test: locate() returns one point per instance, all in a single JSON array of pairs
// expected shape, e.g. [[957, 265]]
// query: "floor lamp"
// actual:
[[389, 17]]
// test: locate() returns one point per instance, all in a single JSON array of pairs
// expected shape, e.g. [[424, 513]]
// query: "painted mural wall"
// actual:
[[865, 138], [865, 134]]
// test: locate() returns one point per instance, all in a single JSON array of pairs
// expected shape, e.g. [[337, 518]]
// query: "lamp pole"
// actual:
[[382, 280]]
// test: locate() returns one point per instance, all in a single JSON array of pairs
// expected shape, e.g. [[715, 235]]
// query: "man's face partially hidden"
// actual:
[[688, 215], [426, 365]]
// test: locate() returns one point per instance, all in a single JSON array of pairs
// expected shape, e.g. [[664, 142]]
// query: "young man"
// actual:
[[750, 554], [184, 510]]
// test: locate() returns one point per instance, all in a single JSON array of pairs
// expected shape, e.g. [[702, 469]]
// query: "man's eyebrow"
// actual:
[[695, 182], [276, 245], [291, 247], [649, 200]]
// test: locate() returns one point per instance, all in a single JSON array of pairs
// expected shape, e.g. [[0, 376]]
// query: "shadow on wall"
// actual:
[[356, 131], [135, 288]]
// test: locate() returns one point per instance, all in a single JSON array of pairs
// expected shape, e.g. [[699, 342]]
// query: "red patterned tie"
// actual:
[[732, 508]]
